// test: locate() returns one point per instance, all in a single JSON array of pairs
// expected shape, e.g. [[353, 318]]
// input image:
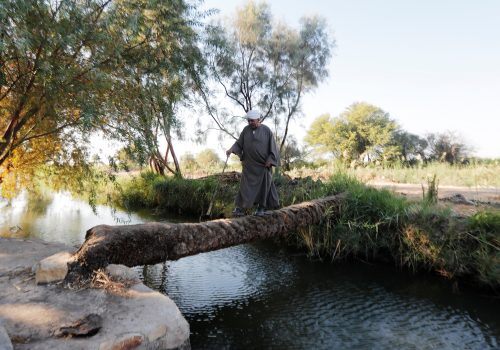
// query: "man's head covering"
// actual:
[[253, 114]]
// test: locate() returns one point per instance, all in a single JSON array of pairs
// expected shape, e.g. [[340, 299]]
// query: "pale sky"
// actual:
[[432, 65]]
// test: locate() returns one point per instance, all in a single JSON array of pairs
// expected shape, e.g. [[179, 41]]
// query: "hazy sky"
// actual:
[[432, 65]]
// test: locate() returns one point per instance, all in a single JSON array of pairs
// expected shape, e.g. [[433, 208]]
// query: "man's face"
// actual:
[[254, 123]]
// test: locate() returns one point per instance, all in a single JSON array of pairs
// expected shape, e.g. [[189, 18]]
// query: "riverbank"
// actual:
[[122, 311], [459, 240]]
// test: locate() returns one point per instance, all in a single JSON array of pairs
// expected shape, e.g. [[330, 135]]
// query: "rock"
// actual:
[[53, 268], [5, 343], [123, 342], [85, 327], [122, 272], [133, 317], [459, 198]]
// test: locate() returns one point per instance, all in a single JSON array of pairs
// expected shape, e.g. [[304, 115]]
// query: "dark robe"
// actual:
[[255, 147]]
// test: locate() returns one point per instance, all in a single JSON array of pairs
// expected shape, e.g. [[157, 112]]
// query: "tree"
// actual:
[[261, 64], [290, 154], [151, 243], [446, 147], [361, 133], [69, 68], [407, 147], [208, 158], [188, 162]]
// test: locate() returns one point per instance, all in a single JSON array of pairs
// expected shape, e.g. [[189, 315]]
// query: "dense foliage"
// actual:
[[69, 68], [364, 134]]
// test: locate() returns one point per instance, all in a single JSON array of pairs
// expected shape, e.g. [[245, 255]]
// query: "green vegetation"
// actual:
[[260, 63], [372, 224], [469, 175], [362, 132], [72, 68], [365, 135], [376, 225], [173, 194]]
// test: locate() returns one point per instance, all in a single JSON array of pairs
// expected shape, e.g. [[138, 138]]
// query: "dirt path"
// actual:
[[463, 200], [480, 194]]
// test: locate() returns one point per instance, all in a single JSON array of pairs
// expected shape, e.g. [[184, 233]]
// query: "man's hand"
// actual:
[[228, 152], [268, 164]]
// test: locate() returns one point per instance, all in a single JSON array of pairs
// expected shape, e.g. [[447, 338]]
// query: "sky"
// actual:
[[434, 66]]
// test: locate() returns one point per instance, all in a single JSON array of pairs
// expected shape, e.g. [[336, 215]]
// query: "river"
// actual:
[[264, 296]]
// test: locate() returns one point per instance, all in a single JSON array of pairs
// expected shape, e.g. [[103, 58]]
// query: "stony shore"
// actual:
[[121, 313]]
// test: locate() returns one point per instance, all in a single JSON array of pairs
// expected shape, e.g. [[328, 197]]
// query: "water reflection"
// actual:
[[204, 281], [259, 296], [57, 218]]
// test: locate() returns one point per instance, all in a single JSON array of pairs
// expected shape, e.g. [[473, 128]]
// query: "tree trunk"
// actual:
[[174, 157], [154, 242]]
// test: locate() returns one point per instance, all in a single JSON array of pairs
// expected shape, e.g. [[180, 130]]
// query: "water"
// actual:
[[59, 218], [263, 296]]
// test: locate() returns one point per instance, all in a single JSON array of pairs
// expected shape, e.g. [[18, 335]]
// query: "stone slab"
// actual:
[[53, 268], [134, 317]]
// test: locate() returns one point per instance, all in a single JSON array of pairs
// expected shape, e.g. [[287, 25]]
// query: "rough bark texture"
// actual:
[[152, 243]]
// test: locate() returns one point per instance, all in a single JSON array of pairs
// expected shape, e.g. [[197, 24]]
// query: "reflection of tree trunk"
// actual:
[[155, 242]]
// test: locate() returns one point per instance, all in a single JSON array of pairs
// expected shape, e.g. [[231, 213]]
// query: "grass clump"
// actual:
[[363, 226], [484, 229], [171, 194], [371, 224], [377, 225]]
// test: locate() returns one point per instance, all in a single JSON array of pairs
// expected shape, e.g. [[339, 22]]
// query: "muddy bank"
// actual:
[[121, 314]]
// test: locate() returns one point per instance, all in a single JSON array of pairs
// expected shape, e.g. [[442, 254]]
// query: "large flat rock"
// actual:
[[133, 316]]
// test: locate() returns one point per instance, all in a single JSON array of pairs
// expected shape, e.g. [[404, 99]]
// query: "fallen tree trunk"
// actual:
[[152, 243]]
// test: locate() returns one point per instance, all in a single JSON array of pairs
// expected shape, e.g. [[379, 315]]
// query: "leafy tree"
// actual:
[[446, 147], [266, 65], [407, 147], [69, 68], [188, 162], [124, 160], [208, 158], [361, 133], [319, 136], [291, 153]]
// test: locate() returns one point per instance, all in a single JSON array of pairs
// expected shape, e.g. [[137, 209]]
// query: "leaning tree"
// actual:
[[258, 63], [69, 68]]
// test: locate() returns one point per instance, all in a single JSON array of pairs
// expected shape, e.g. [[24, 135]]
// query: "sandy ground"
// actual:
[[480, 194], [464, 200]]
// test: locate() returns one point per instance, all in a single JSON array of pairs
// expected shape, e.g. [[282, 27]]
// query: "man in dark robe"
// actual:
[[257, 150]]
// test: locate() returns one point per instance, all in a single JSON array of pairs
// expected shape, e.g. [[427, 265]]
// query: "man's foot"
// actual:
[[260, 211], [237, 212]]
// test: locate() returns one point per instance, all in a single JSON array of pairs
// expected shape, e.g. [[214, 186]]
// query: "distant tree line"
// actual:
[[365, 134]]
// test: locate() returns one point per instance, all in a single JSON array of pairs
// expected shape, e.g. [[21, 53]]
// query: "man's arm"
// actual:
[[273, 156], [237, 147]]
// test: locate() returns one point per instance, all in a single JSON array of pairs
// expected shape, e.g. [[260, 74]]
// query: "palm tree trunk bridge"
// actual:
[[152, 243]]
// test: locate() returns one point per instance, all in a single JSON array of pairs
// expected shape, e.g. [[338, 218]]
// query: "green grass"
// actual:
[[170, 194], [371, 225], [472, 175], [376, 225]]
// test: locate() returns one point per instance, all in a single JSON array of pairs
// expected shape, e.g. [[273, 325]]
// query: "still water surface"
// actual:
[[263, 296]]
